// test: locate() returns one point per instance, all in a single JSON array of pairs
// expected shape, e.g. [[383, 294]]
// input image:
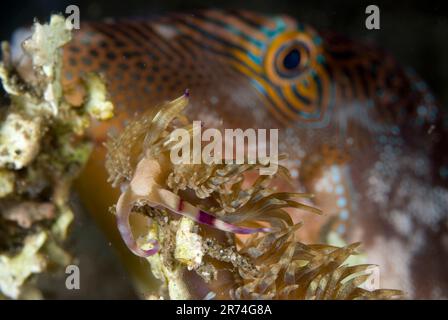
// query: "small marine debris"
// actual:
[[43, 147], [177, 203]]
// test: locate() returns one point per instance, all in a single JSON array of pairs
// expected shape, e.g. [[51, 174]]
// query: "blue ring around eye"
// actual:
[[292, 59]]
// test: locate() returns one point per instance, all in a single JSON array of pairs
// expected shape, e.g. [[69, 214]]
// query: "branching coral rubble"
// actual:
[[268, 263], [42, 149]]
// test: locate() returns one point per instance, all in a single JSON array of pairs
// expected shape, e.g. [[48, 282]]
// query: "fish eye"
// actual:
[[292, 59], [289, 57]]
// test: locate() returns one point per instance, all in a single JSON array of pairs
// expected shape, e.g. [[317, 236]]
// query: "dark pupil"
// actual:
[[292, 59]]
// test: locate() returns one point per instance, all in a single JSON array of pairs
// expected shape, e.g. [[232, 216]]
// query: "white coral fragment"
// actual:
[[19, 141], [43, 48], [171, 276], [15, 270], [188, 245], [45, 41]]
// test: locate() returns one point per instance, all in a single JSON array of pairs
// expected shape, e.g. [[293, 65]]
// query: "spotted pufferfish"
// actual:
[[362, 133]]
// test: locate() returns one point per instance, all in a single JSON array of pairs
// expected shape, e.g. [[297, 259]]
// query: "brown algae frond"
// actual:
[[267, 263]]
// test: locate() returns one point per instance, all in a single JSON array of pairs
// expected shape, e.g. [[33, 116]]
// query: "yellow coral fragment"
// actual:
[[6, 183], [97, 105]]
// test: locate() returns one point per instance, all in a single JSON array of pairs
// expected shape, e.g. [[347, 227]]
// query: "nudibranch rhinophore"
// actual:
[[363, 133]]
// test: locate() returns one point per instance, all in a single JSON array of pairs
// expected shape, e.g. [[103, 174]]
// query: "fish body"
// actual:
[[363, 133]]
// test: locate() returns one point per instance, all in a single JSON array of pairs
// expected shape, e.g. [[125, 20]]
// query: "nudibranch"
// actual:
[[143, 185], [269, 263]]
